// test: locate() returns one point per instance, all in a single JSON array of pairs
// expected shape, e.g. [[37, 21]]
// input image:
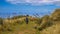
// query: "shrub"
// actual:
[[1, 21], [46, 22], [6, 27]]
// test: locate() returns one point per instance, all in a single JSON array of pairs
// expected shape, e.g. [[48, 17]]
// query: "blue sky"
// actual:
[[22, 7]]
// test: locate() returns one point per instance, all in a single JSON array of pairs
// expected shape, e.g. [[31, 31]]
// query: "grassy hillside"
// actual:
[[44, 25], [55, 28]]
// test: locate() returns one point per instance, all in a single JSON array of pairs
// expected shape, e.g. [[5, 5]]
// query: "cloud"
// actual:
[[35, 2]]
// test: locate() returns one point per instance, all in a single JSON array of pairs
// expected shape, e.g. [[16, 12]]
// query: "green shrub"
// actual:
[[45, 23], [6, 27], [1, 21]]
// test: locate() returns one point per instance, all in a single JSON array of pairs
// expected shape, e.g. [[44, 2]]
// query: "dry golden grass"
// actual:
[[55, 29]]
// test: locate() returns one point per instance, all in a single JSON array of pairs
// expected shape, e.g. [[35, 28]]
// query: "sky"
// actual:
[[30, 7]]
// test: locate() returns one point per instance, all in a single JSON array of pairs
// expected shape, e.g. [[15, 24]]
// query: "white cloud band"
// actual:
[[35, 2]]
